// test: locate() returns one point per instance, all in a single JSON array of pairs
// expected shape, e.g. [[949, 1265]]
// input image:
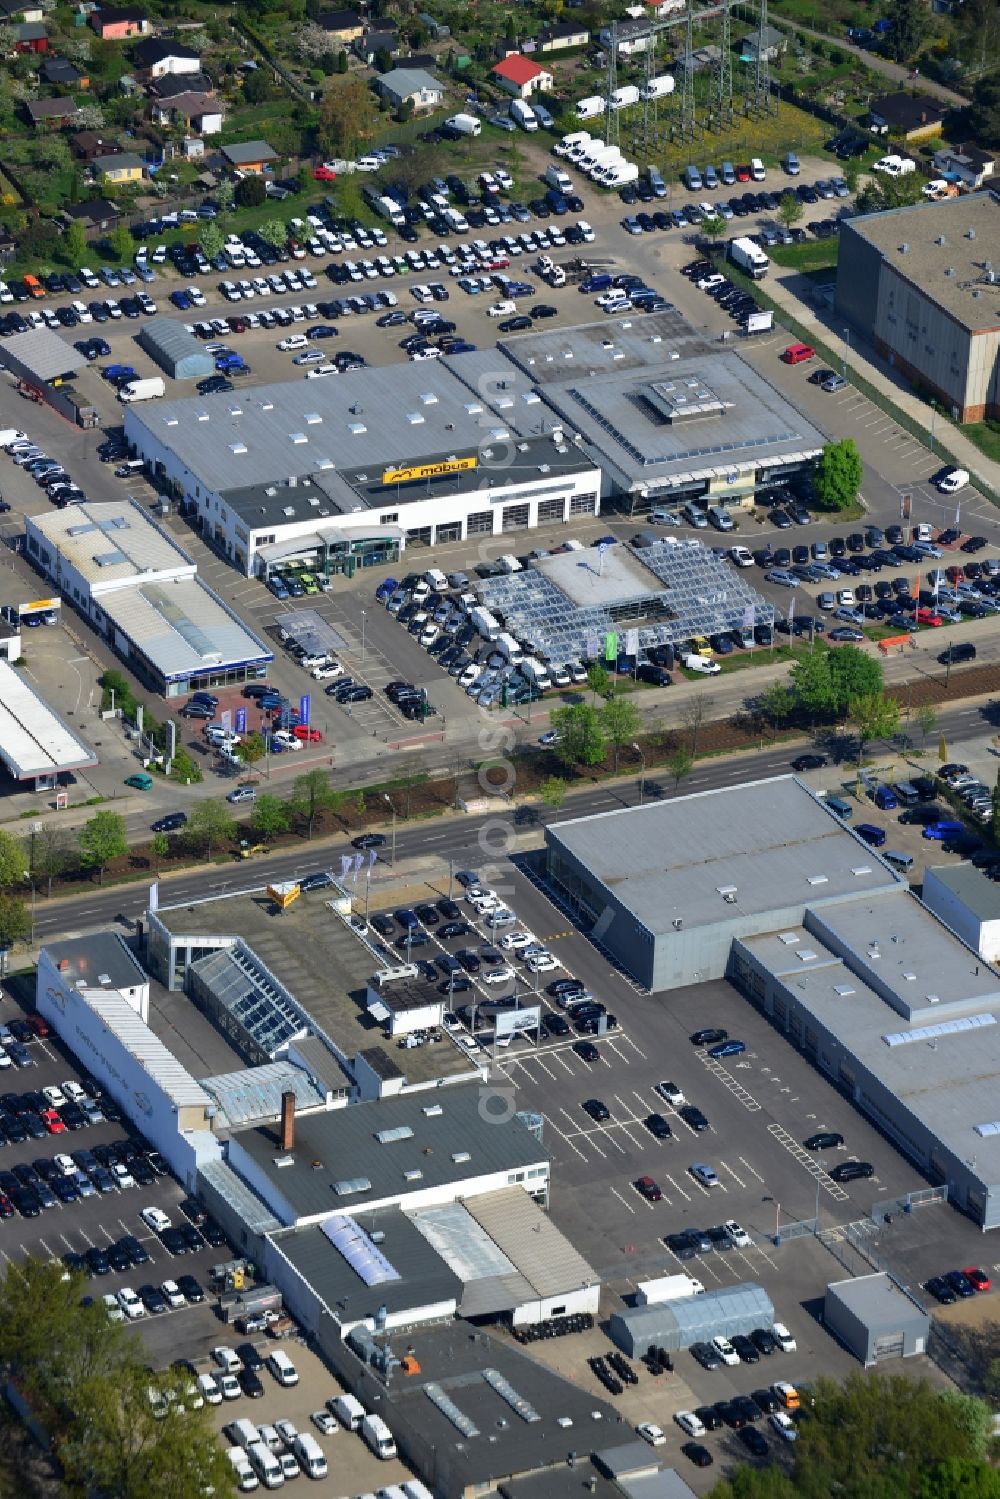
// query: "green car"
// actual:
[[141, 781], [308, 582]]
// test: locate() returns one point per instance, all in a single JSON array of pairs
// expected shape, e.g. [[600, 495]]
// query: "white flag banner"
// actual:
[[631, 642], [345, 865]]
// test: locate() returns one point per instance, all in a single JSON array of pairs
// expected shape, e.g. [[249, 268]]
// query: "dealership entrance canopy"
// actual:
[[35, 744]]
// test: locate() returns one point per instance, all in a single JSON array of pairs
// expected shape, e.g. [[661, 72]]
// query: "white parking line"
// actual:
[[726, 1167], [615, 1193], [744, 1162], [677, 1188], [552, 1125], [618, 1053], [630, 1042]]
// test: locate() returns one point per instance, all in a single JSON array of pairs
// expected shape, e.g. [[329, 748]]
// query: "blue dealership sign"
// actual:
[[304, 705], [241, 720]]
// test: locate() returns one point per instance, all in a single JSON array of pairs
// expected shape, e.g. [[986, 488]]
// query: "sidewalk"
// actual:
[[894, 71], [791, 291]]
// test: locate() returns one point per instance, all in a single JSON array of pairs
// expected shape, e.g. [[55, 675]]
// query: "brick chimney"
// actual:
[[287, 1121]]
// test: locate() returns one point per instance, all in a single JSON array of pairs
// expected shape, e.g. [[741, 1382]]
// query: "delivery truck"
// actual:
[[589, 108], [749, 257], [624, 98], [483, 621], [657, 88], [667, 1288], [142, 390], [557, 178], [378, 1437]]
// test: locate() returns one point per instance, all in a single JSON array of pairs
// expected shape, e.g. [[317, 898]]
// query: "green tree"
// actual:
[[102, 839], [208, 826], [13, 860], [790, 209], [342, 62], [383, 60], [253, 749], [777, 704], [553, 792], [943, 750], [906, 32], [874, 716], [210, 238], [250, 192], [713, 229], [269, 817], [184, 770], [256, 87], [757, 1483], [599, 681], [811, 688], [311, 795], [346, 117], [53, 852], [159, 847], [621, 722], [680, 764], [74, 244], [960, 1478], [837, 477], [121, 242], [926, 719], [853, 675], [582, 733], [224, 195], [15, 919], [983, 114], [49, 1340]]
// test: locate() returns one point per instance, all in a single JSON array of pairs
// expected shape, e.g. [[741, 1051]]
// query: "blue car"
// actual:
[[727, 1049], [407, 918], [277, 588], [181, 300], [939, 831], [386, 589]]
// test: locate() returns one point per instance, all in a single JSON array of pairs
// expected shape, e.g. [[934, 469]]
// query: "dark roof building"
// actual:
[[156, 50], [98, 214], [907, 115], [51, 110], [59, 70]]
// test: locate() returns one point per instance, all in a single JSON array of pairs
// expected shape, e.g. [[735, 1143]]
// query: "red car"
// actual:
[[743, 173], [53, 1122], [324, 174], [303, 731], [928, 617], [798, 354], [646, 1187], [40, 1027], [978, 1278]]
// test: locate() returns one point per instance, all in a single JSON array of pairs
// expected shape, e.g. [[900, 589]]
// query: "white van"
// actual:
[[246, 1478], [310, 1455], [242, 1433], [266, 1466], [282, 1368], [378, 1437], [436, 579], [348, 1410]]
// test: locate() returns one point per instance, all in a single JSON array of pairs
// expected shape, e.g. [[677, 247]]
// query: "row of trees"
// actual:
[[86, 1381], [827, 687]]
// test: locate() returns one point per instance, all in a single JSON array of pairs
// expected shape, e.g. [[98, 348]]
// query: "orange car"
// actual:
[[311, 736]]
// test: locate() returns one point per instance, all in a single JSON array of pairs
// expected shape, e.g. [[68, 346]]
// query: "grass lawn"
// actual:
[[786, 129], [812, 255], [986, 436]]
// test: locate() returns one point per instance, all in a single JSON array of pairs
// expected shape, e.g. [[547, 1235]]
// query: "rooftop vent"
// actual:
[[288, 510], [970, 233], [415, 418], [413, 1176], [356, 428], [940, 240], [283, 1160], [297, 437], [460, 1156], [950, 271], [237, 447], [817, 879], [312, 418], [428, 398], [432, 1110], [904, 249], [202, 416]]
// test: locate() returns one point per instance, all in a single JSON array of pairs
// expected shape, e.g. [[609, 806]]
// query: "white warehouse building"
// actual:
[[345, 473]]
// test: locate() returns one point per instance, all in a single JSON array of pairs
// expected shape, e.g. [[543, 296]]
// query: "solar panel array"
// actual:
[[247, 991], [364, 1257], [702, 594]]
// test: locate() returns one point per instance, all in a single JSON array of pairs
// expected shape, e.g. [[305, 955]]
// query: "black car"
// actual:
[[746, 1350], [699, 1240], [706, 1355], [680, 1245], [852, 1171], [174, 1240], [213, 1234], [250, 1384], [449, 910], [191, 1288], [825, 1139], [657, 1126], [138, 1254], [152, 1299], [763, 1340], [169, 823], [384, 925], [696, 1453], [596, 1109], [693, 1117], [766, 1401], [960, 1283], [720, 1240], [587, 1051], [755, 1443], [97, 1261], [941, 1290], [556, 1025], [809, 762], [369, 840], [709, 1036]]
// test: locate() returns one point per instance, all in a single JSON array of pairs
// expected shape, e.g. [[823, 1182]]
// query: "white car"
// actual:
[[542, 962], [287, 1430], [651, 1433], [173, 1295], [286, 740], [130, 1304], [209, 1389], [217, 735], [54, 1096], [783, 1424], [954, 480], [156, 1219], [514, 941], [230, 1387], [737, 1234], [693, 662], [226, 1359], [726, 1351], [845, 598], [552, 736], [123, 1176], [671, 1093], [704, 1175], [320, 371], [64, 1164], [74, 1092], [741, 556], [323, 1422], [329, 672], [895, 166], [112, 1308], [783, 1338], [498, 976], [502, 309], [708, 283], [690, 1423]]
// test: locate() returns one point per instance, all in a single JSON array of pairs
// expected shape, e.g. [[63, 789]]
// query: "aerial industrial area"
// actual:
[[500, 848]]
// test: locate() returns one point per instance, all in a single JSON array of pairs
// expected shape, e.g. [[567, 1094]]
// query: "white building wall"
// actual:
[[982, 936], [586, 1299]]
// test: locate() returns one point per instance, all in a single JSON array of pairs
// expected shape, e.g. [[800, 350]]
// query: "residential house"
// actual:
[[907, 117], [659, 9], [438, 30], [562, 34], [634, 36], [384, 39], [89, 144], [122, 168], [249, 158], [520, 76], [30, 36], [9, 9], [51, 112], [63, 73], [698, 60], [413, 85], [189, 110], [157, 56], [775, 43], [970, 164], [117, 24], [97, 217], [343, 26]]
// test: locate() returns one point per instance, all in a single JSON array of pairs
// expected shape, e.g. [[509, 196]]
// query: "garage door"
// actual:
[[889, 1345]]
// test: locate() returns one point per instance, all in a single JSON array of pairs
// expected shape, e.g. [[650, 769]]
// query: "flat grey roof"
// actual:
[[34, 740], [255, 1093], [111, 541], [980, 895], [42, 351], [183, 628], [925, 263], [875, 1299], [591, 578], [424, 1277], [445, 1124], [614, 381], [101, 960], [771, 844]]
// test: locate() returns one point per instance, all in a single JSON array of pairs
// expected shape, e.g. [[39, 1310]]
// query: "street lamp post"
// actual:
[[642, 773], [387, 798], [364, 621], [847, 346], [27, 876]]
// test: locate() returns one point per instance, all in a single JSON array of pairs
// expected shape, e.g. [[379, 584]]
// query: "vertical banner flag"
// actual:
[[791, 607], [346, 860], [226, 718], [611, 645], [359, 859], [593, 647], [631, 642], [241, 720], [305, 703], [372, 860], [748, 617]]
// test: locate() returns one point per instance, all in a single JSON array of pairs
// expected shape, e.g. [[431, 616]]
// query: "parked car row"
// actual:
[[734, 299], [50, 475], [958, 1284]]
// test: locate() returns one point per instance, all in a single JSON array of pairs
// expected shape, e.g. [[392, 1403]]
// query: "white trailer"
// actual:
[[667, 1288], [483, 621], [749, 257], [464, 124], [624, 98], [589, 108], [657, 88]]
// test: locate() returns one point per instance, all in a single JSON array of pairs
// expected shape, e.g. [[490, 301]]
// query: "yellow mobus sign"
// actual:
[[427, 470]]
